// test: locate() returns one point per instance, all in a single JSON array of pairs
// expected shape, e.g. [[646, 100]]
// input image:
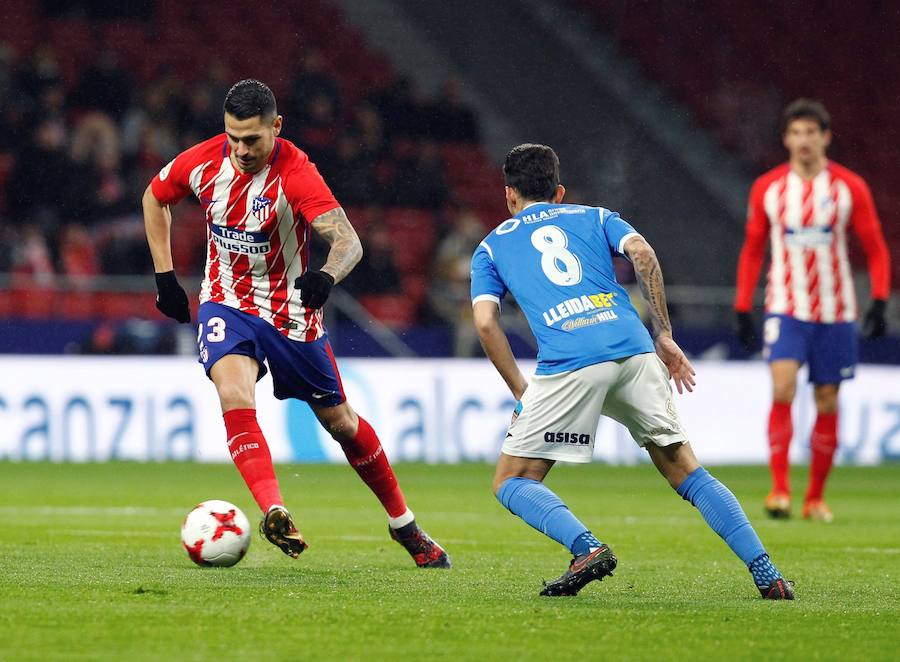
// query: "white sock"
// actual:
[[403, 520]]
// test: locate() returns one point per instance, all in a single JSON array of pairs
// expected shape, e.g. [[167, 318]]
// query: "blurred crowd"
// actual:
[[75, 159]]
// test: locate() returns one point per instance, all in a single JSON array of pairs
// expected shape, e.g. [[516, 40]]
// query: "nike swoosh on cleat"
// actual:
[[578, 567]]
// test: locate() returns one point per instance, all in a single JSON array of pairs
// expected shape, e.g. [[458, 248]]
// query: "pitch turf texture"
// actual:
[[91, 567]]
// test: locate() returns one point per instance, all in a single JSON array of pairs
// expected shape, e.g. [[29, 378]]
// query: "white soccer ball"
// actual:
[[216, 533]]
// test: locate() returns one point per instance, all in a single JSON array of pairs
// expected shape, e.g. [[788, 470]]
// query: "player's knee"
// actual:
[[783, 393], [527, 473], [827, 408], [673, 473], [235, 396], [826, 400], [341, 428]]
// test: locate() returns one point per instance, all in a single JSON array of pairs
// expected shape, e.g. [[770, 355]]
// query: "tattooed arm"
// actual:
[[649, 277], [346, 250]]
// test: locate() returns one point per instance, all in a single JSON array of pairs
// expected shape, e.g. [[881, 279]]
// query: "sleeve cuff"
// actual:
[[486, 297], [621, 247]]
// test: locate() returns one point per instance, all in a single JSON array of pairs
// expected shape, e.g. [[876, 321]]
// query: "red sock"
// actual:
[[823, 443], [366, 455], [251, 456], [780, 432]]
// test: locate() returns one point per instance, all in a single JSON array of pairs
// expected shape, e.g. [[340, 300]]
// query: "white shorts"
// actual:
[[560, 413]]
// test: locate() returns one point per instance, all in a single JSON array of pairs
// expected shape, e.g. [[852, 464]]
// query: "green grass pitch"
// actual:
[[91, 567]]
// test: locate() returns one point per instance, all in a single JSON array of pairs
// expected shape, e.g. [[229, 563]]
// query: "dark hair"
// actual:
[[533, 171], [248, 98], [806, 109]]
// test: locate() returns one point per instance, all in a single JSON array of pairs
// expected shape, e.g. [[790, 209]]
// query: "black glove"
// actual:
[[171, 299], [874, 325], [745, 330], [314, 286]]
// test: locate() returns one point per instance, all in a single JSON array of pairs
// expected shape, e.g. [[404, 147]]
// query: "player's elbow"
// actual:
[[357, 252], [484, 328], [486, 321], [637, 249], [642, 255], [643, 252]]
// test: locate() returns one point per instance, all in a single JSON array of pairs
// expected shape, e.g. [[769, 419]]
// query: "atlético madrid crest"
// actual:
[[262, 207]]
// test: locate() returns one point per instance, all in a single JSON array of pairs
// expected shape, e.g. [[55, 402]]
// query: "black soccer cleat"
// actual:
[[778, 589], [425, 551], [582, 570], [278, 528]]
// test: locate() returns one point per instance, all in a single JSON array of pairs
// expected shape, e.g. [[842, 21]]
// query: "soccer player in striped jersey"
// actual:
[[261, 301], [805, 208], [595, 358]]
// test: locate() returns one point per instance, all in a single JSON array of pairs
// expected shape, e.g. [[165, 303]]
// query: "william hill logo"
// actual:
[[567, 438]]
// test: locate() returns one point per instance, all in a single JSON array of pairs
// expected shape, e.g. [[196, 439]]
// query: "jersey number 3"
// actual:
[[560, 265]]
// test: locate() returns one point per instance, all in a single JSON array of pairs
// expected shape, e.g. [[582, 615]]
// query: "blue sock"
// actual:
[[585, 543], [725, 516], [535, 503], [763, 571]]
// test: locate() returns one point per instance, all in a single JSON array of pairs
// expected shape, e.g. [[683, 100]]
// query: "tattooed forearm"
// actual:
[[346, 250], [650, 278]]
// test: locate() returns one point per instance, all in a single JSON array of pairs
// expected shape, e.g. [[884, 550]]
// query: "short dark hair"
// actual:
[[806, 109], [248, 98], [533, 171]]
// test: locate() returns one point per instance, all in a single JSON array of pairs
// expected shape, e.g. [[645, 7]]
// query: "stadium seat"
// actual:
[[77, 304], [392, 310], [73, 41], [415, 288], [8, 304], [359, 218], [413, 234], [36, 302], [120, 305], [21, 26]]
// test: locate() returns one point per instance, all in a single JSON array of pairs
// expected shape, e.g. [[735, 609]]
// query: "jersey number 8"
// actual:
[[560, 265]]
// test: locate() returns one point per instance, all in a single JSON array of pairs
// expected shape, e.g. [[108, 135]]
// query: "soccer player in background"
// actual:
[[261, 302], [805, 207], [595, 358]]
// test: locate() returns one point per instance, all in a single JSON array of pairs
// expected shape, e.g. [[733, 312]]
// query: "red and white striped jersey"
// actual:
[[806, 222], [258, 228]]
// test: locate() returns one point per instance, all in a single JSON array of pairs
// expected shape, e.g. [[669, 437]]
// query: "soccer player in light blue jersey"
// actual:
[[595, 357]]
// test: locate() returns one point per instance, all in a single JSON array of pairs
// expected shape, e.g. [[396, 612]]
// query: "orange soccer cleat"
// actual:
[[818, 511], [278, 528], [778, 505]]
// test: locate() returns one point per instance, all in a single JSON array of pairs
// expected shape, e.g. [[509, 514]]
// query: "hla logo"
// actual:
[[567, 438]]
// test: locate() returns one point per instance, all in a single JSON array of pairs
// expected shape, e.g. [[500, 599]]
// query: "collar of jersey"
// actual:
[[532, 205]]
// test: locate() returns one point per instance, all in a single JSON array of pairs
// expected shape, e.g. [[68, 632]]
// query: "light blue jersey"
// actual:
[[556, 260]]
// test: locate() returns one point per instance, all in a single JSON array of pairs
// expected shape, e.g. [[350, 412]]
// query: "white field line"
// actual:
[[120, 533], [91, 511], [872, 550]]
